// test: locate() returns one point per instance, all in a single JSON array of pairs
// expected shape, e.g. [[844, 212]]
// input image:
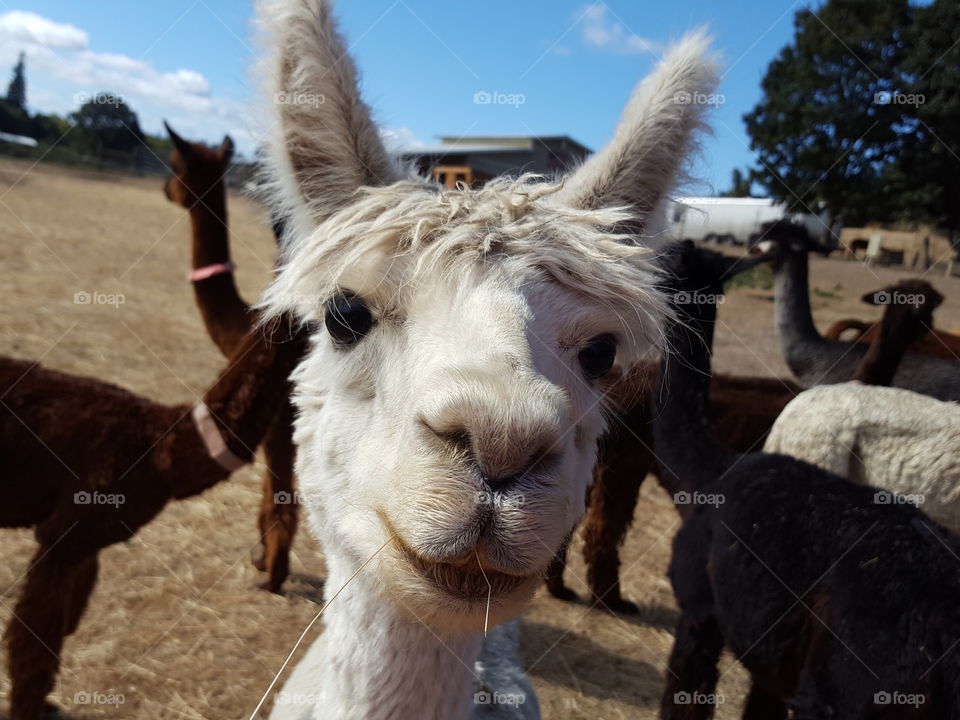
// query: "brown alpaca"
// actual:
[[87, 464], [742, 409], [198, 185], [907, 319], [930, 341]]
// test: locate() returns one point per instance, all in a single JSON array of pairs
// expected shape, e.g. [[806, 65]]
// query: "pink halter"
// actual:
[[213, 440], [202, 273]]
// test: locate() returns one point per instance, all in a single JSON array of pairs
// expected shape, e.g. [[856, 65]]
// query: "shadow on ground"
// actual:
[[575, 661]]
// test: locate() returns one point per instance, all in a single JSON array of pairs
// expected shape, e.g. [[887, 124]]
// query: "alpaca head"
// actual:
[[911, 301], [451, 402], [694, 279], [196, 169], [782, 239]]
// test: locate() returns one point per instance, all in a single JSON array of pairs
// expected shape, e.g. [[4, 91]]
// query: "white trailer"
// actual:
[[733, 220]]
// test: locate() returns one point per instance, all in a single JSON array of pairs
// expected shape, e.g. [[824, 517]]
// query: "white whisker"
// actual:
[[310, 625], [486, 618]]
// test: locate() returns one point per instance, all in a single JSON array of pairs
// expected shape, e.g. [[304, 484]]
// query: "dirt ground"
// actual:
[[176, 628]]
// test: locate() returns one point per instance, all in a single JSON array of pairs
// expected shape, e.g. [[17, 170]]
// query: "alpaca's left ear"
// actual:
[[878, 297], [226, 148], [182, 146], [644, 160]]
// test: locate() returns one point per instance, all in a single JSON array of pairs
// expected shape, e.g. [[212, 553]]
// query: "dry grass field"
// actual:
[[176, 627]]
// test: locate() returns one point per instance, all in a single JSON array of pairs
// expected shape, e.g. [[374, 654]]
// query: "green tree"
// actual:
[[927, 176], [826, 130], [108, 123], [740, 184], [17, 89]]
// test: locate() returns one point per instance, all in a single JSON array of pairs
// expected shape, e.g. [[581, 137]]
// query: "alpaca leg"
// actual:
[[83, 579], [48, 609], [834, 684], [761, 705], [613, 499], [692, 672], [554, 578], [277, 520]]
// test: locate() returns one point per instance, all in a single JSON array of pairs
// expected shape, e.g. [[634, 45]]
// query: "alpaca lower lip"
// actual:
[[470, 579]]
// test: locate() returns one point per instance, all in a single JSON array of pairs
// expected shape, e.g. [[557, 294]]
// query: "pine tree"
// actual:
[[17, 90]]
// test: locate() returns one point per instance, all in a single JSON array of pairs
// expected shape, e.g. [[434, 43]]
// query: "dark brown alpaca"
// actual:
[[907, 318], [87, 464], [198, 184], [742, 408], [928, 341]]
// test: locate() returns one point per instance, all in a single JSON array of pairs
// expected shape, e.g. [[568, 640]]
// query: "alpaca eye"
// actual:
[[596, 358], [347, 318]]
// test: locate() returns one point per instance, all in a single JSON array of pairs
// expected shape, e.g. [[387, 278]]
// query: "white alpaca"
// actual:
[[450, 404], [894, 439]]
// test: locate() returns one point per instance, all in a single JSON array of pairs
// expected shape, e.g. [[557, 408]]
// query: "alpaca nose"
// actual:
[[505, 436]]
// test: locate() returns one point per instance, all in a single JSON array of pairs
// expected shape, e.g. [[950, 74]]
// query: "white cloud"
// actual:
[[606, 33], [62, 70], [32, 29], [117, 62], [402, 138]]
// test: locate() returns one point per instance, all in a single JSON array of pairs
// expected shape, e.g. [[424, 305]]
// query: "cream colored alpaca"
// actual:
[[894, 439], [450, 405]]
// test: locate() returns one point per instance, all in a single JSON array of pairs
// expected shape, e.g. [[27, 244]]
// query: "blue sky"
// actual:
[[573, 63]]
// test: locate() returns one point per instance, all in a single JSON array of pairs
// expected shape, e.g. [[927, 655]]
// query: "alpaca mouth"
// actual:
[[472, 579]]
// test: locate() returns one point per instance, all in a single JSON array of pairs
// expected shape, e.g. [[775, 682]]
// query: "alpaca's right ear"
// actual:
[[733, 266], [324, 145], [645, 159]]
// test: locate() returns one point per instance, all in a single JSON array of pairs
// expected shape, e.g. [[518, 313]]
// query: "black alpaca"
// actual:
[[840, 607], [815, 360]]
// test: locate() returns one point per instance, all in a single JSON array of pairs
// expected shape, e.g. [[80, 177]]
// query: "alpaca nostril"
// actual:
[[510, 473], [454, 438], [500, 483]]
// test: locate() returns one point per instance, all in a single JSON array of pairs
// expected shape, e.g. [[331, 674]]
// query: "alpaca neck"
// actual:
[[243, 403], [374, 661], [792, 300], [208, 220], [897, 331], [683, 435], [225, 314]]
